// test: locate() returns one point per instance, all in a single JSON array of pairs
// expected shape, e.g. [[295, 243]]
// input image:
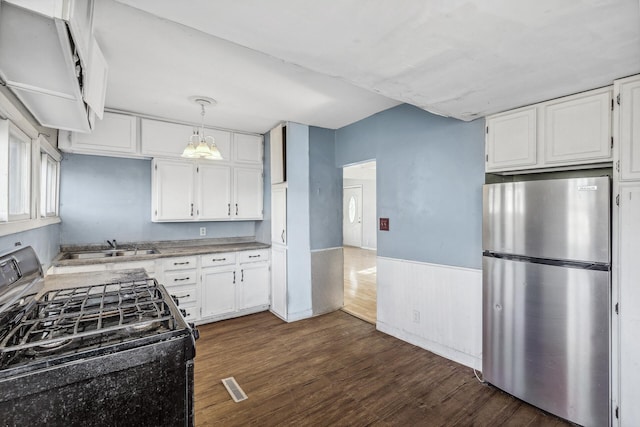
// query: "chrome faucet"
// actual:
[[113, 244]]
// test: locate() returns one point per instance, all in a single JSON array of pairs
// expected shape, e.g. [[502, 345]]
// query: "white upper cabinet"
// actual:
[[173, 191], [628, 120], [115, 134], [247, 193], [165, 139], [278, 153], [568, 131], [578, 128], [279, 215], [188, 190], [214, 192], [247, 148], [511, 139]]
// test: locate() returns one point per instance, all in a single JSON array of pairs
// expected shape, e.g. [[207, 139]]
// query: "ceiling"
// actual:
[[330, 64]]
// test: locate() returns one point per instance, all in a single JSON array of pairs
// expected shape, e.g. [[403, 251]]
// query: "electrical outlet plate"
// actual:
[[203, 231], [416, 316]]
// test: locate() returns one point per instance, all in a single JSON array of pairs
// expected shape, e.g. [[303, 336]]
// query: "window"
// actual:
[[19, 175], [29, 178], [49, 186]]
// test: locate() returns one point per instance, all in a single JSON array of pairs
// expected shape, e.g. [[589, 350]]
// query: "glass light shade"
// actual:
[[215, 153], [203, 150], [189, 150]]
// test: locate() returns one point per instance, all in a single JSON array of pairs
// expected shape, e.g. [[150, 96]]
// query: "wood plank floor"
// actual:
[[360, 278], [338, 370]]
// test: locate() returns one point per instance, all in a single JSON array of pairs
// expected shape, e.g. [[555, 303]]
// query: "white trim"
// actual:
[[369, 249], [453, 267], [301, 315], [8, 228]]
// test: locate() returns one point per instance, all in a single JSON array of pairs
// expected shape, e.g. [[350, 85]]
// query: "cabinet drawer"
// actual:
[[184, 294], [254, 256], [181, 263], [213, 260], [180, 277]]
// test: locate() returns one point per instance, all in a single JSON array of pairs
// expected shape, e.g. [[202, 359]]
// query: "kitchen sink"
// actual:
[[110, 253]]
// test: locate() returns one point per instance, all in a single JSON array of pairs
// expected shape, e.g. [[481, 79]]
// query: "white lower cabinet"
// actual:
[[238, 285], [218, 291], [279, 281]]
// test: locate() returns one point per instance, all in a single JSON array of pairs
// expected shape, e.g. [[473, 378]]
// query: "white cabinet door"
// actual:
[[277, 147], [166, 139], [279, 215], [629, 303], [248, 148], [629, 127], [173, 190], [254, 280], [115, 133], [577, 129], [279, 281], [511, 140], [214, 192], [247, 194], [218, 291]]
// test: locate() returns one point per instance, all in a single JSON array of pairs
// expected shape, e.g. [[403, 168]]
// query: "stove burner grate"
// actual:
[[65, 315]]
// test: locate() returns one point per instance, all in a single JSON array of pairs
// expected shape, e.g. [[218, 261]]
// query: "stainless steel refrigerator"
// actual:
[[546, 294]]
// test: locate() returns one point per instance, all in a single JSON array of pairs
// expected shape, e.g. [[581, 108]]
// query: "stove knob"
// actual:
[[175, 299], [184, 312], [194, 331]]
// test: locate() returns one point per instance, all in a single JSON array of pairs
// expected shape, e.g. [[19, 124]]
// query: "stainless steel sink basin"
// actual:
[[110, 253]]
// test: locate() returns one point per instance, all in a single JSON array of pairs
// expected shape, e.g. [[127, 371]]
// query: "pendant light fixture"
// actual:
[[199, 145]]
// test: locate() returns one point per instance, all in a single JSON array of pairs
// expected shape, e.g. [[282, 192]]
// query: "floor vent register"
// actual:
[[234, 389]]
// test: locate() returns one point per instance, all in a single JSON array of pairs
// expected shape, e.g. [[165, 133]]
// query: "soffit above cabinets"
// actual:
[[332, 64]]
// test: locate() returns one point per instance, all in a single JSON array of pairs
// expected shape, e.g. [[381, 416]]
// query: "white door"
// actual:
[[247, 192], [628, 91], [352, 216], [279, 215], [214, 187], [254, 282], [279, 281], [173, 189], [511, 140]]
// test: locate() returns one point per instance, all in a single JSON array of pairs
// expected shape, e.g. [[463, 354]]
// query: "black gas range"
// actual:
[[115, 353]]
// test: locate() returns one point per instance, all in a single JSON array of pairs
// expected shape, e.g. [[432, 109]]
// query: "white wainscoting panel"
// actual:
[[436, 307]]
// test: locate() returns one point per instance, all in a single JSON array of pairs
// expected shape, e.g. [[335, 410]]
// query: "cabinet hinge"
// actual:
[[487, 129], [618, 101], [156, 213], [611, 142], [486, 157], [618, 200], [617, 312], [198, 169], [618, 166], [155, 167], [612, 105]]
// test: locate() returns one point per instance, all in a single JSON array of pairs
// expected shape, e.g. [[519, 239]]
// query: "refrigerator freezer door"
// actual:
[[546, 337], [564, 219]]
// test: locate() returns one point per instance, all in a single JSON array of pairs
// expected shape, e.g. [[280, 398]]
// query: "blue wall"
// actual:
[[430, 171], [325, 190], [110, 198], [45, 241]]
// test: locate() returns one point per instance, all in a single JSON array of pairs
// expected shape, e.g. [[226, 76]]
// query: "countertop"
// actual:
[[165, 249], [73, 280]]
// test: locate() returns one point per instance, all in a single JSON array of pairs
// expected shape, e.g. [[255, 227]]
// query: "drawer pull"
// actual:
[[180, 280], [181, 263], [218, 259], [254, 256]]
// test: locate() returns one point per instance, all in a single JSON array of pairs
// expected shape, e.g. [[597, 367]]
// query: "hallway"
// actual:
[[360, 283]]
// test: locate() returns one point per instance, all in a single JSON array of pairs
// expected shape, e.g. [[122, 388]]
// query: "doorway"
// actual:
[[360, 240]]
